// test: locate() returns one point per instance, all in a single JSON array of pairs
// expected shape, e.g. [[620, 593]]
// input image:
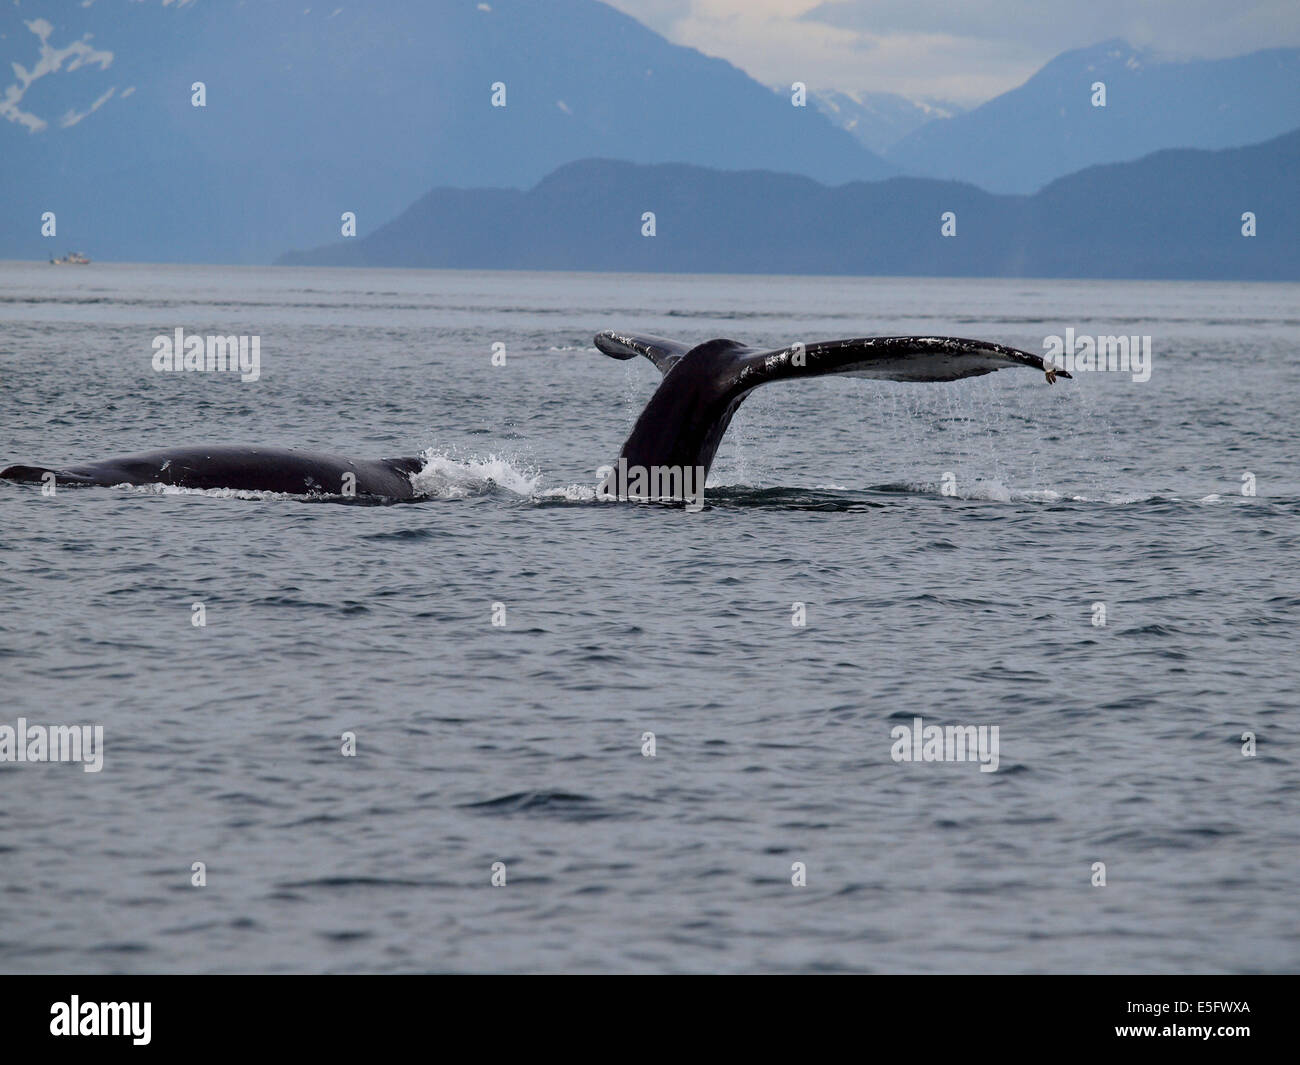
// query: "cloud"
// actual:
[[938, 49], [1187, 28], [51, 60], [73, 117]]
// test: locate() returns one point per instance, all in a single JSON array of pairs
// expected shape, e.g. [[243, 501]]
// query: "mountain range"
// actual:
[[1048, 127], [1173, 214], [879, 120], [313, 111]]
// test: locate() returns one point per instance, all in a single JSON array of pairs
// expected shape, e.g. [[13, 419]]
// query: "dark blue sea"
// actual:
[[950, 545]]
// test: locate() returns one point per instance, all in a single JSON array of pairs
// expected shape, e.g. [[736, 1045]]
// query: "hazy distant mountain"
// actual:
[[1173, 214], [1048, 127], [313, 109], [879, 120]]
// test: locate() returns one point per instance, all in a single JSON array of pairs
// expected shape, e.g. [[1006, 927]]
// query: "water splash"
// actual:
[[444, 476], [159, 489]]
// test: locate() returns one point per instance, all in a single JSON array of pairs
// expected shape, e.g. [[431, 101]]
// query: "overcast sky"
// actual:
[[962, 50]]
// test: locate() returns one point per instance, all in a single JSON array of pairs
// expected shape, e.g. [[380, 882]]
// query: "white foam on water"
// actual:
[[445, 477], [157, 489], [996, 492], [574, 493]]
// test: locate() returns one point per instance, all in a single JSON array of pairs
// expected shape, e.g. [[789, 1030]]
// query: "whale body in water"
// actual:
[[679, 430], [253, 469]]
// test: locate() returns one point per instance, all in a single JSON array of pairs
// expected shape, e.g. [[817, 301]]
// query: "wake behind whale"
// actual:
[[667, 456]]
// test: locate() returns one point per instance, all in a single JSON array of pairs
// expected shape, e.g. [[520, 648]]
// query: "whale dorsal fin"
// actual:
[[664, 353]]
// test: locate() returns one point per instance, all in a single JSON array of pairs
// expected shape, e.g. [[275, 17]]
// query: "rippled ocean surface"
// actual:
[[522, 744]]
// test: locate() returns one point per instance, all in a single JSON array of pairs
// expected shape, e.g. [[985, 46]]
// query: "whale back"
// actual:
[[264, 469]]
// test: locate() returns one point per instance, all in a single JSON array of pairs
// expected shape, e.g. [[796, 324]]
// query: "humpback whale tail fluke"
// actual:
[[703, 386], [664, 353]]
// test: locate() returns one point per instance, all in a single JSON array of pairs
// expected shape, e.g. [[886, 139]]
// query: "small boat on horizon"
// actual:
[[73, 258]]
